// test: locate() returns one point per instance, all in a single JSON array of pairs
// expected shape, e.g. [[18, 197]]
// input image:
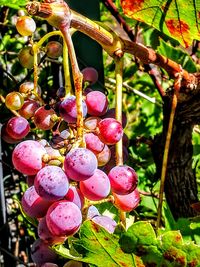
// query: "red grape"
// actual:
[[18, 127], [6, 137], [33, 204], [43, 118], [123, 179], [27, 157], [111, 114], [51, 183], [127, 202], [80, 164], [97, 187], [74, 195], [91, 123], [110, 131], [90, 75], [97, 103], [28, 109], [63, 218], [68, 110], [54, 49], [49, 264], [93, 143], [27, 88], [104, 156], [30, 180]]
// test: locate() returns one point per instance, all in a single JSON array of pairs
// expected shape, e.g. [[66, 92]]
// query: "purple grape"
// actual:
[[33, 204], [18, 127], [106, 222], [97, 187], [51, 183], [80, 164], [74, 195], [93, 143], [41, 252], [63, 218], [68, 110], [46, 235], [97, 103], [90, 75], [123, 179], [92, 212], [49, 264], [27, 157]]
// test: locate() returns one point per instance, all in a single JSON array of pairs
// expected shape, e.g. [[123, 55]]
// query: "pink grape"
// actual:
[[63, 218], [104, 156], [92, 212], [97, 103], [80, 164], [110, 131], [43, 118], [93, 143], [28, 109], [90, 75], [68, 110], [97, 187], [30, 180], [41, 253], [91, 123], [18, 127], [46, 235], [27, 157], [33, 204], [6, 137], [74, 195], [111, 114], [51, 183], [123, 179], [105, 222], [127, 202]]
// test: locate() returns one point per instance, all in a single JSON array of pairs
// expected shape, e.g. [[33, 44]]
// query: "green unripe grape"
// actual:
[[25, 26], [26, 57], [14, 101]]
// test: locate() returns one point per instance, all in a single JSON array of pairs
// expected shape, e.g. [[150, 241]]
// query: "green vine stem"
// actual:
[[68, 86]]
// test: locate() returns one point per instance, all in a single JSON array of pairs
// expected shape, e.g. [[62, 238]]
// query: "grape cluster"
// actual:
[[65, 178]]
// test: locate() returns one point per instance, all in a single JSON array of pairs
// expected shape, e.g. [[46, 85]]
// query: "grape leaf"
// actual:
[[178, 19], [16, 4]]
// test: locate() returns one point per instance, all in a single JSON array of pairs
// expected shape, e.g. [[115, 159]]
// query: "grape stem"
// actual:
[[177, 86]]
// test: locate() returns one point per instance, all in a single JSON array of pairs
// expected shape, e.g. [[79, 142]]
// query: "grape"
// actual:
[[127, 202], [49, 264], [110, 131], [68, 109], [104, 156], [46, 235], [74, 195], [96, 187], [105, 222], [43, 118], [30, 180], [17, 127], [27, 88], [25, 25], [51, 183], [28, 109], [61, 92], [73, 263], [92, 212], [80, 164], [54, 49], [93, 143], [59, 140], [41, 253], [97, 103], [123, 179], [14, 101], [53, 153], [6, 137], [91, 123], [90, 75], [33, 204], [26, 57], [27, 157], [86, 91], [111, 114], [63, 218]]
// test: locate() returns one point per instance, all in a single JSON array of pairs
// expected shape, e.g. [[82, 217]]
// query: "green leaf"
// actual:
[[177, 55], [178, 19], [97, 247], [17, 4]]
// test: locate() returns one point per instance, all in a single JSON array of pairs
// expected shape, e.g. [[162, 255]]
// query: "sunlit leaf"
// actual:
[[178, 19], [17, 4]]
